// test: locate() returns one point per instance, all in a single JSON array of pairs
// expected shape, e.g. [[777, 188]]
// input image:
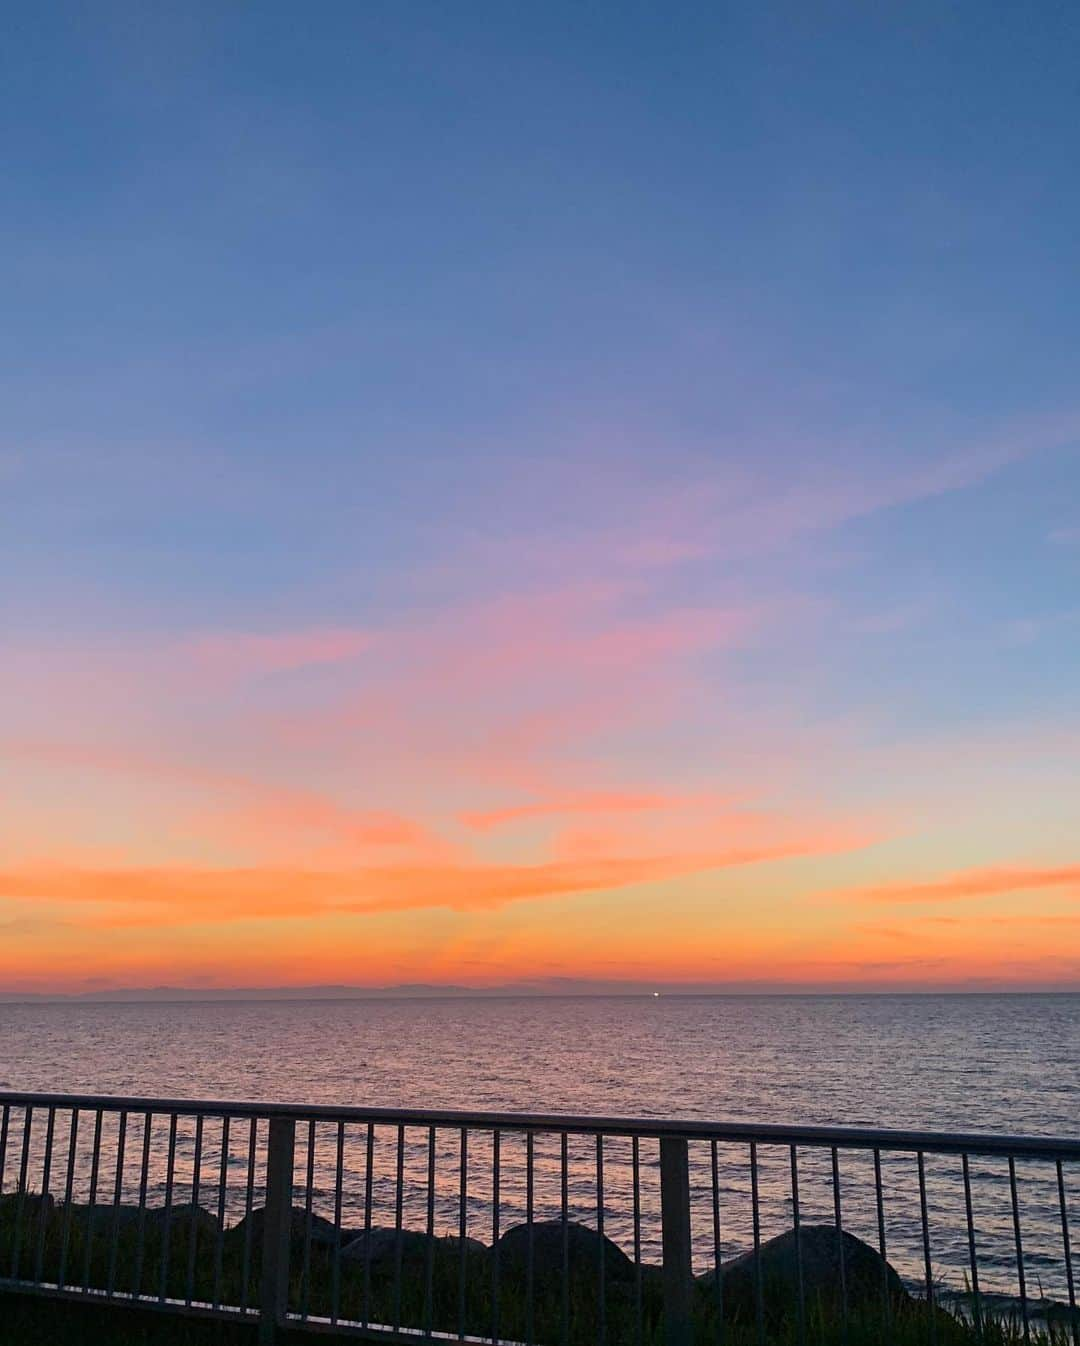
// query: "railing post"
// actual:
[[277, 1229], [675, 1238]]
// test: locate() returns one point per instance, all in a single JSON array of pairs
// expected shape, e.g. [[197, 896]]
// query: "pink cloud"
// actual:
[[596, 803], [495, 691]]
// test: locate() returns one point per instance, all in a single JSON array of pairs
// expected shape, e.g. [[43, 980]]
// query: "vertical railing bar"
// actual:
[[305, 1281], [339, 1179], [118, 1196], [635, 1164], [463, 1226], [801, 1302], [46, 1177], [193, 1225], [1021, 1278], [841, 1254], [495, 1198], [972, 1253], [166, 1214], [564, 1331], [601, 1283], [223, 1187], [369, 1179], [249, 1208], [931, 1313], [69, 1191], [677, 1241], [718, 1279], [429, 1265], [530, 1236], [4, 1120], [91, 1214], [20, 1194], [144, 1177], [1070, 1282], [755, 1210], [274, 1279], [399, 1240], [886, 1290]]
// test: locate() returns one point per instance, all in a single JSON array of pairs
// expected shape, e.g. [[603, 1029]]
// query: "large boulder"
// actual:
[[323, 1232], [375, 1253], [183, 1217], [380, 1244], [865, 1274], [584, 1247], [105, 1216]]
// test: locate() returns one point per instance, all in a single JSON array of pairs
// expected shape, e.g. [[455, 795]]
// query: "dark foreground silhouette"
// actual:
[[531, 1286]]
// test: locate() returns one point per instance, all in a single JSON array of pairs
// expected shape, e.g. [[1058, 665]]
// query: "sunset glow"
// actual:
[[533, 597]]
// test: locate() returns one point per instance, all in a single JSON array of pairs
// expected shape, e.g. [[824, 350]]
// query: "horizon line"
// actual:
[[330, 993]]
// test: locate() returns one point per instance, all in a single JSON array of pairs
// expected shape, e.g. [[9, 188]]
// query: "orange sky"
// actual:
[[213, 834]]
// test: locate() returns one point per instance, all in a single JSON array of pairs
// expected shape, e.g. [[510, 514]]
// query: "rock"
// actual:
[[379, 1245], [1006, 1309], [584, 1247], [416, 1247], [382, 1240], [103, 1214], [323, 1232], [180, 1217], [865, 1271], [475, 1250]]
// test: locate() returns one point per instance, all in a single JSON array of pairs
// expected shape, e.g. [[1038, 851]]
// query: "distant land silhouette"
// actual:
[[397, 991], [552, 986]]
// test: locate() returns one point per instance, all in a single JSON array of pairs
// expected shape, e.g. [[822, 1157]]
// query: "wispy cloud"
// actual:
[[971, 883], [770, 505], [183, 895], [590, 805]]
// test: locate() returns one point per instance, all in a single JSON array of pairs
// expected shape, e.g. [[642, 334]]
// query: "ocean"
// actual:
[[998, 1063]]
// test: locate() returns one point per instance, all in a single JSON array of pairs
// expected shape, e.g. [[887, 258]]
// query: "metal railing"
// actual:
[[396, 1224]]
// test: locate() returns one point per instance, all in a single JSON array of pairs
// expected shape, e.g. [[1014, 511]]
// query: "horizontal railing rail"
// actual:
[[404, 1224], [687, 1128]]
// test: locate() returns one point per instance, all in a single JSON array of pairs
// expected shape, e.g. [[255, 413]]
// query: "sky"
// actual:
[[574, 495]]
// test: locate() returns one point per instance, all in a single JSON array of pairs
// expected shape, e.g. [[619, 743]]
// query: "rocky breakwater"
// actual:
[[534, 1282]]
